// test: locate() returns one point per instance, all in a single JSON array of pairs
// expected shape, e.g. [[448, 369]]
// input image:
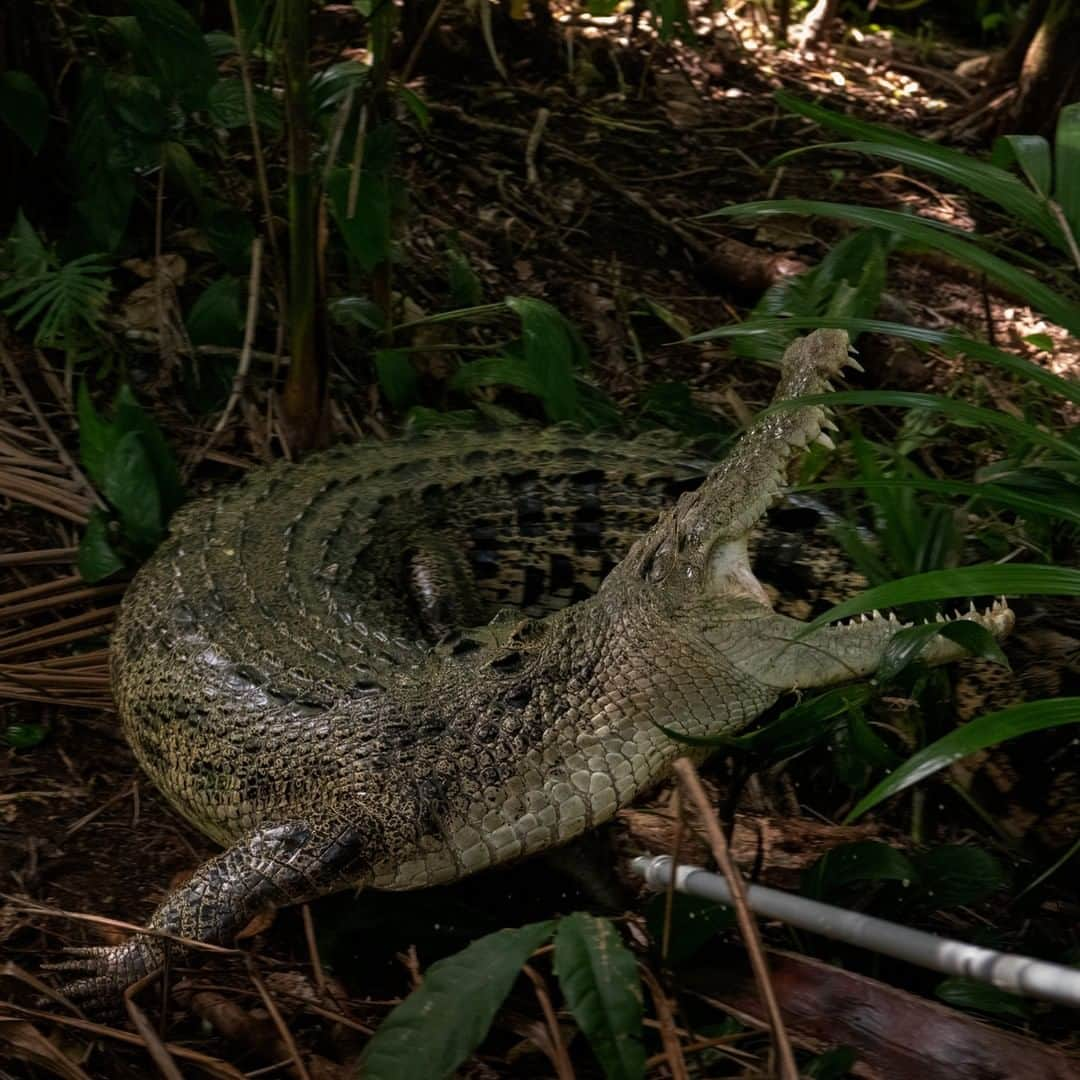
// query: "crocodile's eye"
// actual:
[[658, 565]]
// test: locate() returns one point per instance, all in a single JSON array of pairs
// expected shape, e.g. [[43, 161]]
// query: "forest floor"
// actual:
[[577, 181]]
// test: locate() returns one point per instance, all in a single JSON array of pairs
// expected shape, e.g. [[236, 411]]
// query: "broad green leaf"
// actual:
[[497, 371], [181, 168], [932, 235], [24, 108], [96, 438], [397, 377], [864, 860], [956, 874], [978, 996], [217, 316], [465, 287], [130, 416], [599, 979], [24, 736], [130, 485], [367, 232], [1032, 154], [909, 644], [438, 1025], [1028, 579], [357, 311], [29, 256], [973, 736], [794, 729], [227, 106], [834, 1064], [553, 351], [1067, 166], [986, 180], [331, 86], [694, 921], [136, 100], [415, 104], [948, 341], [104, 190], [991, 493], [182, 57], [97, 558], [958, 410], [230, 234]]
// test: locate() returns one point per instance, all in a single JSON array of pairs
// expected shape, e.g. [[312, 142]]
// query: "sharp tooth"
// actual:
[[892, 617], [940, 617], [853, 363], [877, 614], [824, 440], [829, 425], [971, 609], [862, 617]]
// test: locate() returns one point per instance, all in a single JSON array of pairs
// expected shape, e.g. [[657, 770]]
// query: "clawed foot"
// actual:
[[109, 970]]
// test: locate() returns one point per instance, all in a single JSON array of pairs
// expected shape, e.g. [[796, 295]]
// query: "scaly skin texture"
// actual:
[[295, 669]]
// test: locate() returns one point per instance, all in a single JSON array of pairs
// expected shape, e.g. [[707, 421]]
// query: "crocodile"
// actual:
[[394, 665]]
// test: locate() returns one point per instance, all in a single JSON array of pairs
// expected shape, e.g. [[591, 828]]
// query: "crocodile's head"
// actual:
[[694, 562]]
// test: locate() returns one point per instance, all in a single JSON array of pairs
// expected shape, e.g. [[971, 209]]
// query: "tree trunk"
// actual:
[[1049, 76]]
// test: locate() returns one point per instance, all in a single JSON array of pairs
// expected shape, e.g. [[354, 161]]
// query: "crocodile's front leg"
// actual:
[[281, 864]]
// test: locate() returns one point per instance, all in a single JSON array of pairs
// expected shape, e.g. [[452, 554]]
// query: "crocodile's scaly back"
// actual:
[[395, 665]]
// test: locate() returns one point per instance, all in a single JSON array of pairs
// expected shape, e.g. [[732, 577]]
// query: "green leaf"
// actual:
[[104, 190], [416, 105], [184, 65], [136, 100], [952, 343], [977, 492], [1032, 154], [909, 644], [465, 287], [96, 438], [357, 311], [793, 730], [834, 1064], [1029, 579], [976, 735], [24, 736], [1067, 166], [397, 377], [367, 232], [29, 256], [986, 179], [931, 235], [553, 350], [217, 317], [227, 106], [497, 371], [131, 487], [694, 921], [97, 557], [331, 86], [24, 108], [864, 860], [131, 417], [599, 979], [955, 874], [438, 1025], [229, 233], [978, 996]]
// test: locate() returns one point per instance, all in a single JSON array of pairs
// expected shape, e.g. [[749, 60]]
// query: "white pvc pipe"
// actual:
[[1018, 974]]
